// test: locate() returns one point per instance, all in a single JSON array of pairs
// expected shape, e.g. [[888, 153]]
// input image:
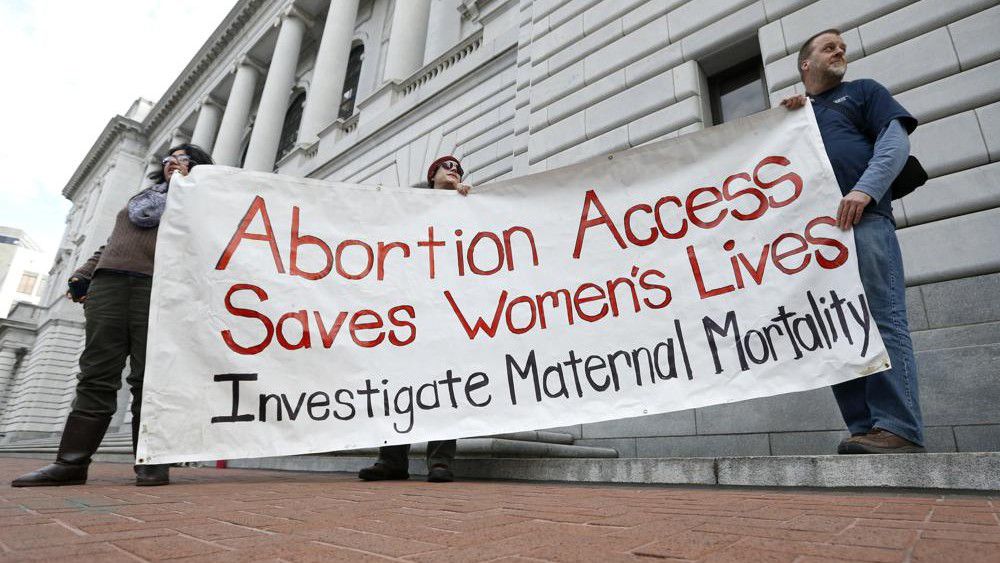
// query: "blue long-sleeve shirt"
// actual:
[[892, 147]]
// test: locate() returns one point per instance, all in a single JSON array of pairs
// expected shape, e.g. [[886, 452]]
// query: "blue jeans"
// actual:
[[889, 399]]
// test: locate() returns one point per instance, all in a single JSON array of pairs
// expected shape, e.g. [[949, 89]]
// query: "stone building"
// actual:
[[22, 267], [369, 91]]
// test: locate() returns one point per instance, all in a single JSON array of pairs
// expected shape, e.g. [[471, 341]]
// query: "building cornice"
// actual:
[[115, 127], [228, 31], [7, 325], [224, 35]]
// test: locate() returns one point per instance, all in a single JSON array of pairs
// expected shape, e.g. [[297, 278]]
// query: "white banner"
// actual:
[[292, 316]]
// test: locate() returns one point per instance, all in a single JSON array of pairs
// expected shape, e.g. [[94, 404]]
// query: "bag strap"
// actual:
[[849, 114]]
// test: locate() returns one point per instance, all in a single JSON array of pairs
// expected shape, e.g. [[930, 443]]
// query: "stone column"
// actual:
[[151, 166], [444, 28], [178, 137], [237, 114], [207, 125], [323, 100], [407, 39], [266, 132]]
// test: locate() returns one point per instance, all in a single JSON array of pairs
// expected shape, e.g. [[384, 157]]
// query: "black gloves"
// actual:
[[78, 288]]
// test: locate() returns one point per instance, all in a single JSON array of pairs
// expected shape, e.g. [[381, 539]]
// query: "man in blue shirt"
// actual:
[[865, 133]]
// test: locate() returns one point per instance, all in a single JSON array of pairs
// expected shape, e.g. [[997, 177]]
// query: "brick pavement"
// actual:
[[243, 515]]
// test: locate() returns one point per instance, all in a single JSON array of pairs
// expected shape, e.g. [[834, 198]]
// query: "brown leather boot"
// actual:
[[843, 445], [80, 439], [880, 441]]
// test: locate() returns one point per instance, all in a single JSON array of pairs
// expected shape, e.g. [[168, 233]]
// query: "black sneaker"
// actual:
[[380, 472], [440, 474]]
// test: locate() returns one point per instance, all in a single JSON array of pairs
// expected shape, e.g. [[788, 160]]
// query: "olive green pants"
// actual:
[[117, 316]]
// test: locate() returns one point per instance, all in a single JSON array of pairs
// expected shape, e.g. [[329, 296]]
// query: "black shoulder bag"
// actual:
[[911, 177]]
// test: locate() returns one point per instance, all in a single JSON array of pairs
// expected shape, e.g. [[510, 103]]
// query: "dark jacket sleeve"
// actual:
[[88, 267]]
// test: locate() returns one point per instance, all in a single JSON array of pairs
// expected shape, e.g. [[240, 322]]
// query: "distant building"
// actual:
[[369, 91], [23, 268]]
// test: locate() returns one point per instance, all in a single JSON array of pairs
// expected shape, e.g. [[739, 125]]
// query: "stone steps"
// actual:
[[548, 436], [112, 443], [552, 456], [950, 471], [945, 471], [535, 443]]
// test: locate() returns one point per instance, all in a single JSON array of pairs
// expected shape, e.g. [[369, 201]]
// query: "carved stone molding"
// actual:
[[251, 62], [210, 100], [109, 137], [448, 59], [476, 10], [225, 35], [293, 11]]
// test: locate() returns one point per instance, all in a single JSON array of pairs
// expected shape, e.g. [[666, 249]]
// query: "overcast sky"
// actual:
[[69, 66]]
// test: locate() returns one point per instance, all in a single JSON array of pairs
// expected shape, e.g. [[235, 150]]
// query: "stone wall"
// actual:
[[42, 388], [611, 75], [547, 83], [956, 333]]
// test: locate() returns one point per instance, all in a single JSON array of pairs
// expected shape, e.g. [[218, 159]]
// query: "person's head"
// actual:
[[445, 173], [182, 159], [823, 57]]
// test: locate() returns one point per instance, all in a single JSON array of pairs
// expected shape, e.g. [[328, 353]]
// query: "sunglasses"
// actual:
[[182, 159], [451, 165]]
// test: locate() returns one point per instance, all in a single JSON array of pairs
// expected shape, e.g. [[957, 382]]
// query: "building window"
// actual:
[[351, 81], [27, 283], [290, 128], [738, 91]]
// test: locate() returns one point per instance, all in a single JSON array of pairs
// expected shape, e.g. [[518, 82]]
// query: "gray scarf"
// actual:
[[147, 206]]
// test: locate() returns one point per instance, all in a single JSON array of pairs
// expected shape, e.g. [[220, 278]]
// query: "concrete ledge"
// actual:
[[667, 471], [547, 436], [319, 463], [554, 445], [697, 471], [962, 471], [952, 471]]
